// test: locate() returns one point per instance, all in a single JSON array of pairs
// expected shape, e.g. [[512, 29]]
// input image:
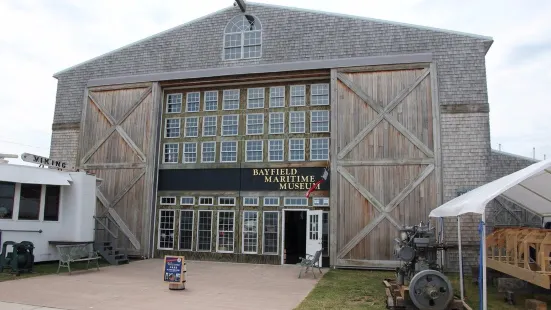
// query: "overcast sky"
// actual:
[[39, 38]]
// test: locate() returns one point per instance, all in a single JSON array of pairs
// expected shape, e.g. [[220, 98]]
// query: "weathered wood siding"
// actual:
[[118, 143], [385, 160]]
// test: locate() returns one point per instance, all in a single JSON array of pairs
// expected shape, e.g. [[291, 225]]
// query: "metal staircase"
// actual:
[[107, 240]]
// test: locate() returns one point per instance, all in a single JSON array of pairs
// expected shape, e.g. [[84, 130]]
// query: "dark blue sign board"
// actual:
[[174, 269]]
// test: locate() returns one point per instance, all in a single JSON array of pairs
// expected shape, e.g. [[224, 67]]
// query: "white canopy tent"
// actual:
[[529, 187]]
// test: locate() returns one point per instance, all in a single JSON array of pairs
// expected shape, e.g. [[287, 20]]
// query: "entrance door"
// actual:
[[314, 232]]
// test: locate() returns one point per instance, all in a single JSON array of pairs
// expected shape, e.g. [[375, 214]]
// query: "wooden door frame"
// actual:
[[336, 160]]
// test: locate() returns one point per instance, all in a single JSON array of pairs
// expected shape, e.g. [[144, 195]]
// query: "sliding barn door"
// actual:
[[118, 143], [385, 160]]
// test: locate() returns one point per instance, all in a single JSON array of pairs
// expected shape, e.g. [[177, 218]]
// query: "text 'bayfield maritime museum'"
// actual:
[[209, 135]]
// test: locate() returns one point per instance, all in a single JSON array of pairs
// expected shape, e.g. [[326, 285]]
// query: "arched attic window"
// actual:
[[243, 38]]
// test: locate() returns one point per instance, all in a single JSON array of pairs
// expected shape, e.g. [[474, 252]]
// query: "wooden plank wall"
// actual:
[[118, 143], [385, 160]]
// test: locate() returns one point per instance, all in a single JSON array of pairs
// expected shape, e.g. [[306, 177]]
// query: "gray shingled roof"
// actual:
[[486, 39]]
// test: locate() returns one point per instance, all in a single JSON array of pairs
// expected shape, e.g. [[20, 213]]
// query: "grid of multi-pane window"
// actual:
[[192, 127], [298, 95], [296, 149], [190, 152], [253, 150], [295, 201], [172, 128], [319, 121], [193, 102], [275, 150], [206, 201], [226, 201], [211, 100], [232, 46], [187, 201], [314, 227], [230, 99], [171, 152], [204, 230], [319, 149], [166, 229], [228, 151], [230, 125], [225, 231], [174, 103], [255, 98], [270, 232], [168, 200], [250, 201], [186, 229], [209, 126], [255, 124], [208, 152], [297, 122], [250, 232], [251, 44], [319, 94], [277, 97], [320, 202], [271, 201], [277, 122]]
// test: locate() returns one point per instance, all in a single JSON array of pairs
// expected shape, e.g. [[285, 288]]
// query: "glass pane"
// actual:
[[29, 205]]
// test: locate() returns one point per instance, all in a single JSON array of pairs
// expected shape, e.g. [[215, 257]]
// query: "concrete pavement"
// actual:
[[139, 285]]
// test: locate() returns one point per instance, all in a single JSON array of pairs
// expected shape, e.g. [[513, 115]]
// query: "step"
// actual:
[[122, 261]]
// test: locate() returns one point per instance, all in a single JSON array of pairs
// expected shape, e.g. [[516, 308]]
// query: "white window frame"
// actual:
[[186, 127], [254, 204], [187, 204], [179, 127], [270, 123], [167, 203], [210, 231], [312, 121], [198, 102], [322, 204], [290, 158], [179, 104], [243, 232], [218, 230], [222, 126], [282, 141], [205, 100], [215, 125], [271, 204], [242, 44], [177, 152], [290, 204], [249, 97], [291, 121], [159, 229], [270, 99], [206, 204], [238, 99], [236, 151], [264, 234], [180, 228], [203, 152], [328, 94], [184, 152], [227, 205], [312, 149], [247, 150], [291, 96], [262, 124]]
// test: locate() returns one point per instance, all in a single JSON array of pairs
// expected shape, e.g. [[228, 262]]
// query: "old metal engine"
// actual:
[[417, 249]]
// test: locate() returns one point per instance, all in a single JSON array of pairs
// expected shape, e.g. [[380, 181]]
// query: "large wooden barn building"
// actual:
[[208, 135]]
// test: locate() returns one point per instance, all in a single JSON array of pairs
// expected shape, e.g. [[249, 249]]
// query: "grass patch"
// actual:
[[45, 268], [361, 289]]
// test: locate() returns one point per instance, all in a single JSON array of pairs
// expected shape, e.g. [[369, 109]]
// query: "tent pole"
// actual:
[[460, 257], [484, 255]]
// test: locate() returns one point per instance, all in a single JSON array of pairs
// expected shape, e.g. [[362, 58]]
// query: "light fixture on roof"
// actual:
[[242, 5]]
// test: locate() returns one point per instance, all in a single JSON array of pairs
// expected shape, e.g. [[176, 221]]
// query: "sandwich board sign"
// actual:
[[174, 272]]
